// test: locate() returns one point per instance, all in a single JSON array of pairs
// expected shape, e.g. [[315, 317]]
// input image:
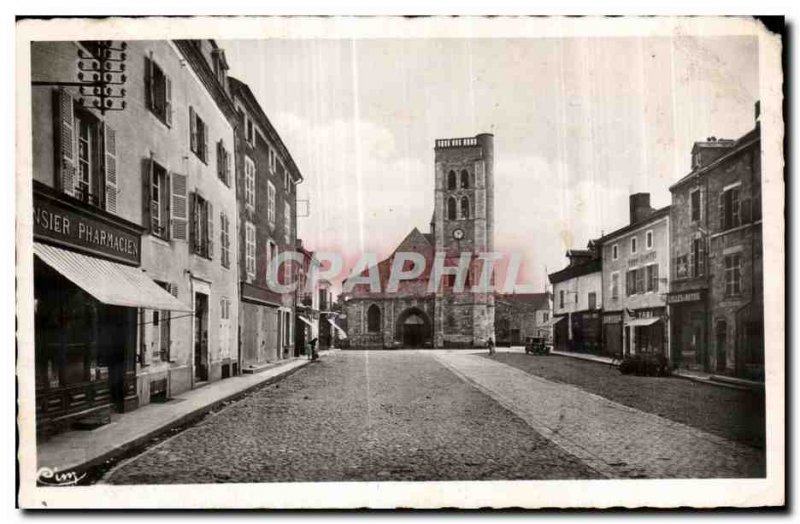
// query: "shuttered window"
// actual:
[[225, 240], [249, 183], [223, 163], [250, 250], [198, 135], [158, 90], [202, 237], [271, 203]]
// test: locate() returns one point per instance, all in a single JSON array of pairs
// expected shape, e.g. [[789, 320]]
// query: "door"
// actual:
[[413, 331], [200, 337], [722, 346]]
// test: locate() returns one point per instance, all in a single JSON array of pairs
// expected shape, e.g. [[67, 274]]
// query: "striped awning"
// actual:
[[109, 282]]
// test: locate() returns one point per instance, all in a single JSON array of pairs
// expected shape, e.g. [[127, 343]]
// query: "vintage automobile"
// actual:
[[536, 346], [649, 364]]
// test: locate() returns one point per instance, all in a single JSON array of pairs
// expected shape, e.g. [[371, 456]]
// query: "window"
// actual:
[[225, 240], [630, 282], [271, 203], [273, 160], [85, 156], [224, 308], [250, 249], [287, 179], [561, 298], [652, 277], [373, 319], [682, 267], [249, 183], [159, 202], [223, 163], [162, 325], [287, 223], [729, 208], [464, 179], [250, 134], [545, 316], [648, 240], [158, 91], [451, 180], [640, 280], [614, 285], [464, 207], [449, 281], [633, 245], [695, 204], [451, 208], [698, 258], [733, 275], [592, 300], [202, 227], [615, 252], [272, 253], [198, 135]]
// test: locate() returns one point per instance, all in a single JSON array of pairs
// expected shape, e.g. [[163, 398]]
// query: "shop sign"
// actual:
[[612, 319], [642, 259], [680, 298], [73, 227]]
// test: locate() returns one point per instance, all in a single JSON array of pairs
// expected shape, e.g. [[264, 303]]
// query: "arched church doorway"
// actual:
[[414, 328]]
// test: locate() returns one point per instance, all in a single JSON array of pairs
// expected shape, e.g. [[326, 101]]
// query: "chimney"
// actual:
[[640, 206]]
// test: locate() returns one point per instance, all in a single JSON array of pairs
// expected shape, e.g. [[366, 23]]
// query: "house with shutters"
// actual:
[[266, 191], [716, 298], [135, 241]]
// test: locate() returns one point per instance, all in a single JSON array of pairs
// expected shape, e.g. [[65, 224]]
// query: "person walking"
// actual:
[[313, 355], [490, 343]]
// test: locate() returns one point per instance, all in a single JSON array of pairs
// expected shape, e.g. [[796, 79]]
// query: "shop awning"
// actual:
[[553, 321], [109, 282], [304, 319], [337, 328], [643, 321]]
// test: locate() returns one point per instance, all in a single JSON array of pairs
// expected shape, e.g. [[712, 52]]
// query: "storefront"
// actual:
[[259, 329], [689, 333], [88, 289], [645, 331], [612, 333]]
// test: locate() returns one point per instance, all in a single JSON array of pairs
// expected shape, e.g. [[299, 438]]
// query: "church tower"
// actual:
[[464, 223]]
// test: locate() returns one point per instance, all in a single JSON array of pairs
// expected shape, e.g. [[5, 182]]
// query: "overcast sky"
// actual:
[[579, 124]]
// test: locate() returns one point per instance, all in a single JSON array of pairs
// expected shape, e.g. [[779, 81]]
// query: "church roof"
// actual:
[[414, 242]]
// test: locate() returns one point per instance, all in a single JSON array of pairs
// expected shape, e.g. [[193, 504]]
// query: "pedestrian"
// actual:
[[490, 343], [313, 346]]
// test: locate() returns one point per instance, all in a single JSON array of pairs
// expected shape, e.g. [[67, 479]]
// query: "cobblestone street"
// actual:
[[432, 415]]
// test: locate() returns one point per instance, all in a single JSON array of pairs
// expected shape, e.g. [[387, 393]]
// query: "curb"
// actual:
[[137, 442]]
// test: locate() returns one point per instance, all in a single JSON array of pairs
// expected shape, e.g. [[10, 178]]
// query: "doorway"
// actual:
[[722, 346], [413, 328], [200, 337]]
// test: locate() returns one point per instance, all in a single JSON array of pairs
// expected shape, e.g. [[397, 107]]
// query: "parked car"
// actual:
[[649, 364], [536, 346]]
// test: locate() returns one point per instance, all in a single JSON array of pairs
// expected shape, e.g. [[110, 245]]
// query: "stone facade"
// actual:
[[716, 297], [577, 299], [463, 222], [518, 316]]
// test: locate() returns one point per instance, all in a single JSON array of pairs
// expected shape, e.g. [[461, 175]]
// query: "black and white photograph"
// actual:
[[380, 262]]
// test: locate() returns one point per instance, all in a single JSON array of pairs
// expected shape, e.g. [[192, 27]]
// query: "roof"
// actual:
[[652, 217], [242, 90], [537, 300], [576, 270], [414, 242], [751, 137]]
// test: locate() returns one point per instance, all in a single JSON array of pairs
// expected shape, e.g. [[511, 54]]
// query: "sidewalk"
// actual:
[[697, 376], [79, 450]]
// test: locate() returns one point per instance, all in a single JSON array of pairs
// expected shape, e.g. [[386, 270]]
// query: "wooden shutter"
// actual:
[[192, 129], [148, 80], [168, 100], [110, 167], [193, 230], [65, 132], [227, 168], [219, 159], [701, 254], [210, 231], [745, 215], [722, 221], [205, 140], [147, 188]]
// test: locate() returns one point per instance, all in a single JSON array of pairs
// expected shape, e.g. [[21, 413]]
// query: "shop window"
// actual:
[[250, 250], [464, 208], [373, 319], [451, 180], [249, 183], [464, 179], [224, 163], [733, 275], [729, 208], [695, 205], [198, 135], [202, 227], [158, 91]]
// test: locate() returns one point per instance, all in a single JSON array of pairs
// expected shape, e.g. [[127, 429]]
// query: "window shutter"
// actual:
[[193, 216], [744, 211], [147, 188], [148, 80], [701, 253], [227, 168], [722, 211], [219, 160], [168, 100], [210, 232], [66, 141], [178, 211], [192, 129], [205, 142], [110, 143]]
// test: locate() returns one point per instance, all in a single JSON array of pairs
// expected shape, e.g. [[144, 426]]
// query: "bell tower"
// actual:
[[464, 223]]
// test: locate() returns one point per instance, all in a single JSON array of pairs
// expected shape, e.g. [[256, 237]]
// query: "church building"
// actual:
[[447, 313]]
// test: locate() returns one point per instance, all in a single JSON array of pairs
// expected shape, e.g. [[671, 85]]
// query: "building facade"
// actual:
[[636, 266], [267, 179], [577, 302], [421, 314], [522, 315], [147, 183], [716, 291]]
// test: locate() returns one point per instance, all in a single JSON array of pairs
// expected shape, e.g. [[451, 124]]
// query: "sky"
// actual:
[[579, 124]]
